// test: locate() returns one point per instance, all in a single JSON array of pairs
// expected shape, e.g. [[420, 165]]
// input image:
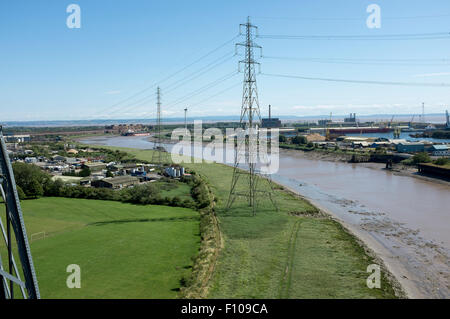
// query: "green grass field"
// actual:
[[124, 250], [276, 254], [177, 189]]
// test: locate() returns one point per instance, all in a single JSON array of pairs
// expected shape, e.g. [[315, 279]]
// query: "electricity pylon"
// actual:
[[250, 121], [14, 223], [159, 156]]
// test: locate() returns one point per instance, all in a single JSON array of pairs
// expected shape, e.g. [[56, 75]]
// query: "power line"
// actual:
[[400, 62], [199, 103], [172, 75], [188, 96], [214, 95], [204, 70], [358, 81], [180, 83], [202, 89], [414, 36], [355, 19]]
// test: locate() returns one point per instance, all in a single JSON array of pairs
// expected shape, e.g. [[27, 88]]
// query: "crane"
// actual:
[[392, 119]]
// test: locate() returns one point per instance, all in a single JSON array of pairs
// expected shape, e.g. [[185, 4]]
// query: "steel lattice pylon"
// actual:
[[159, 155], [14, 222], [250, 121]]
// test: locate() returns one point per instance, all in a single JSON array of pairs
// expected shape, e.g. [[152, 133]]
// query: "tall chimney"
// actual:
[[269, 112]]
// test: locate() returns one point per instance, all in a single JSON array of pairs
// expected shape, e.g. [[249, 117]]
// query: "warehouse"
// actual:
[[116, 182]]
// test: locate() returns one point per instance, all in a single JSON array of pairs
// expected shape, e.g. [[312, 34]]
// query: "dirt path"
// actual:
[[285, 284]]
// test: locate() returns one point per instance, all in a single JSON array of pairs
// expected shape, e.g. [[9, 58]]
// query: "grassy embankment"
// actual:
[[295, 252], [124, 250]]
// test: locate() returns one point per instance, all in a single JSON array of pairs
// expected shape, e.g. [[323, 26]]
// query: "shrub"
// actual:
[[442, 161], [299, 139], [20, 193], [201, 194]]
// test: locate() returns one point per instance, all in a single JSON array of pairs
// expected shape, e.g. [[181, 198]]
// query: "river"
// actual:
[[404, 220]]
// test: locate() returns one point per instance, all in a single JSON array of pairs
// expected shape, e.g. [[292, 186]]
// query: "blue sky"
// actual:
[[51, 72]]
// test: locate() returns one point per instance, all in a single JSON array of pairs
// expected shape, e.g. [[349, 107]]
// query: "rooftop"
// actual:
[[440, 147]]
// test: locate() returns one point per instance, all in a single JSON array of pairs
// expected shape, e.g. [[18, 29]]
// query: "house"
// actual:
[[439, 150], [116, 182], [410, 147]]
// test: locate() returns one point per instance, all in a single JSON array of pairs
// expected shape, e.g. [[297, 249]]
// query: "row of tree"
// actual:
[[32, 183]]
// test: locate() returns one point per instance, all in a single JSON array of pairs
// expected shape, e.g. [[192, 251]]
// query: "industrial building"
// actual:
[[351, 119], [18, 138], [270, 122], [116, 182], [439, 150], [410, 147], [95, 167], [174, 171]]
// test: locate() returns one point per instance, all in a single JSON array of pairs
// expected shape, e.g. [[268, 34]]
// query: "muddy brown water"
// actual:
[[405, 220]]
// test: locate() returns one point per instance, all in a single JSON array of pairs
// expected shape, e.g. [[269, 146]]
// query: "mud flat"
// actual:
[[404, 220]]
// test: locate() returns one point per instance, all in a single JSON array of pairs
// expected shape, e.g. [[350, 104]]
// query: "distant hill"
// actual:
[[430, 118]]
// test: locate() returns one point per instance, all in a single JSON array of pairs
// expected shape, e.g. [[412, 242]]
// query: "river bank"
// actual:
[[333, 156], [397, 168]]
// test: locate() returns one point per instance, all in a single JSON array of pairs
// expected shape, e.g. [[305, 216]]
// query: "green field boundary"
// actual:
[[210, 246]]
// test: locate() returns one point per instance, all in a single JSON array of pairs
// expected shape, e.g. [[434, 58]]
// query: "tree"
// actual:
[[299, 139], [421, 158], [53, 188], [85, 172], [282, 139], [109, 173], [34, 189], [31, 179]]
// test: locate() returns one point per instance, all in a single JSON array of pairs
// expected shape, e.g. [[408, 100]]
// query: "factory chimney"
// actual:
[[447, 123]]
